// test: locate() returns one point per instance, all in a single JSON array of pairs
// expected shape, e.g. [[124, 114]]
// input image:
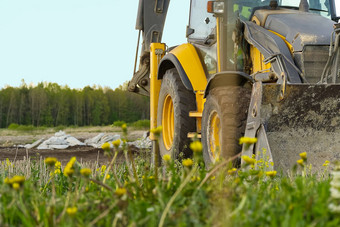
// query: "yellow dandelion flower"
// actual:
[[70, 164], [271, 173], [102, 170], [196, 146], [187, 162], [16, 186], [68, 171], [57, 164], [232, 171], [71, 211], [157, 131], [120, 191], [57, 168], [106, 146], [300, 162], [151, 177], [8, 181], [326, 163], [303, 155], [124, 128], [57, 171], [166, 157], [248, 160], [116, 143], [18, 179], [247, 140], [86, 172], [108, 176], [8, 162], [73, 160], [51, 161], [195, 178]]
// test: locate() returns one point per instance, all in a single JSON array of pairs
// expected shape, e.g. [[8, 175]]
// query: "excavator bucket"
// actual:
[[291, 119]]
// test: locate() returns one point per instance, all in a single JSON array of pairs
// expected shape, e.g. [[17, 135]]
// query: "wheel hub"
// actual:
[[168, 122], [214, 136]]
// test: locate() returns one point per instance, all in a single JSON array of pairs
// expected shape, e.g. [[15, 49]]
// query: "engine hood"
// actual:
[[301, 29]]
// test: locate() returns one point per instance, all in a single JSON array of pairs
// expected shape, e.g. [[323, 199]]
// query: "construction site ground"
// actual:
[[10, 141]]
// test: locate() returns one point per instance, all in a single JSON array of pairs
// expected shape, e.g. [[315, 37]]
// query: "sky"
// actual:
[[75, 42]]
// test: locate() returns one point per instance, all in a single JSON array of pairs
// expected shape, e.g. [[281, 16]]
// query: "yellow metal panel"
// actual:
[[218, 44], [291, 48], [188, 57], [256, 20], [257, 60], [157, 51]]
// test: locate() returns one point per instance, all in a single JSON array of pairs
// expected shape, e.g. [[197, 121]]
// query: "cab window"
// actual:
[[201, 23]]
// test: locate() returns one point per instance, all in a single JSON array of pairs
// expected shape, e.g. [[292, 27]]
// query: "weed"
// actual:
[[136, 194]]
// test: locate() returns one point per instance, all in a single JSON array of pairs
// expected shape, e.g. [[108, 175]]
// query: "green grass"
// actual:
[[26, 128], [141, 124], [134, 193], [179, 196]]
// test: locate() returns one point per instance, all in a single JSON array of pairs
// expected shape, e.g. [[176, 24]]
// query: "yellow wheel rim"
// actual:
[[214, 136], [168, 122]]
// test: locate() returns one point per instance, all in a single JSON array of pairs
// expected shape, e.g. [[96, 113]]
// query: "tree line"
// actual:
[[49, 104]]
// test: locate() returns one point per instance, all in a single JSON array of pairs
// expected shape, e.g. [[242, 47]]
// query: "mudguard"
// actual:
[[188, 65]]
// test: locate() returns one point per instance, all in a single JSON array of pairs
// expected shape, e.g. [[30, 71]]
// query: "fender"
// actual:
[[227, 78], [188, 64]]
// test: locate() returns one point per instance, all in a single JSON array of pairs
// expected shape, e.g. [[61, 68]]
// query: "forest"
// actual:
[[49, 104]]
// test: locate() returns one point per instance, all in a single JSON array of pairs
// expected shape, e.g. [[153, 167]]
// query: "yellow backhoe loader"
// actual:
[[253, 68]]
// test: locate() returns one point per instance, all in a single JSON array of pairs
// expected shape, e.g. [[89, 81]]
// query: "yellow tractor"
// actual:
[[253, 68]]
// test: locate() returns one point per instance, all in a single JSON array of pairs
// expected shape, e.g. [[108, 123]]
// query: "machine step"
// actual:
[[195, 114], [193, 134]]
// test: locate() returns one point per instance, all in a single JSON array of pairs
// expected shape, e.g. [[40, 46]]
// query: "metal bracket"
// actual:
[[159, 6], [159, 52], [255, 128], [283, 87], [262, 148], [253, 119]]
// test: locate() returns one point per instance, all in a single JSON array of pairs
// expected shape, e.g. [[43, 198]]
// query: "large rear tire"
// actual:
[[174, 104], [223, 122]]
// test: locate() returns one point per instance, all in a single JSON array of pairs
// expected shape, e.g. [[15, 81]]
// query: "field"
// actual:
[[9, 138], [125, 190]]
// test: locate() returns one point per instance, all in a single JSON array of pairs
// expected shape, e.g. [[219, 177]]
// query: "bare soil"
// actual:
[[10, 139]]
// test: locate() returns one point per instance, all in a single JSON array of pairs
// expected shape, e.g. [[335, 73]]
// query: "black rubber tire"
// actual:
[[231, 104], [183, 102]]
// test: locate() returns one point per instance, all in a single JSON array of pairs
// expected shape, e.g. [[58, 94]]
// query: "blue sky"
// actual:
[[75, 42]]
